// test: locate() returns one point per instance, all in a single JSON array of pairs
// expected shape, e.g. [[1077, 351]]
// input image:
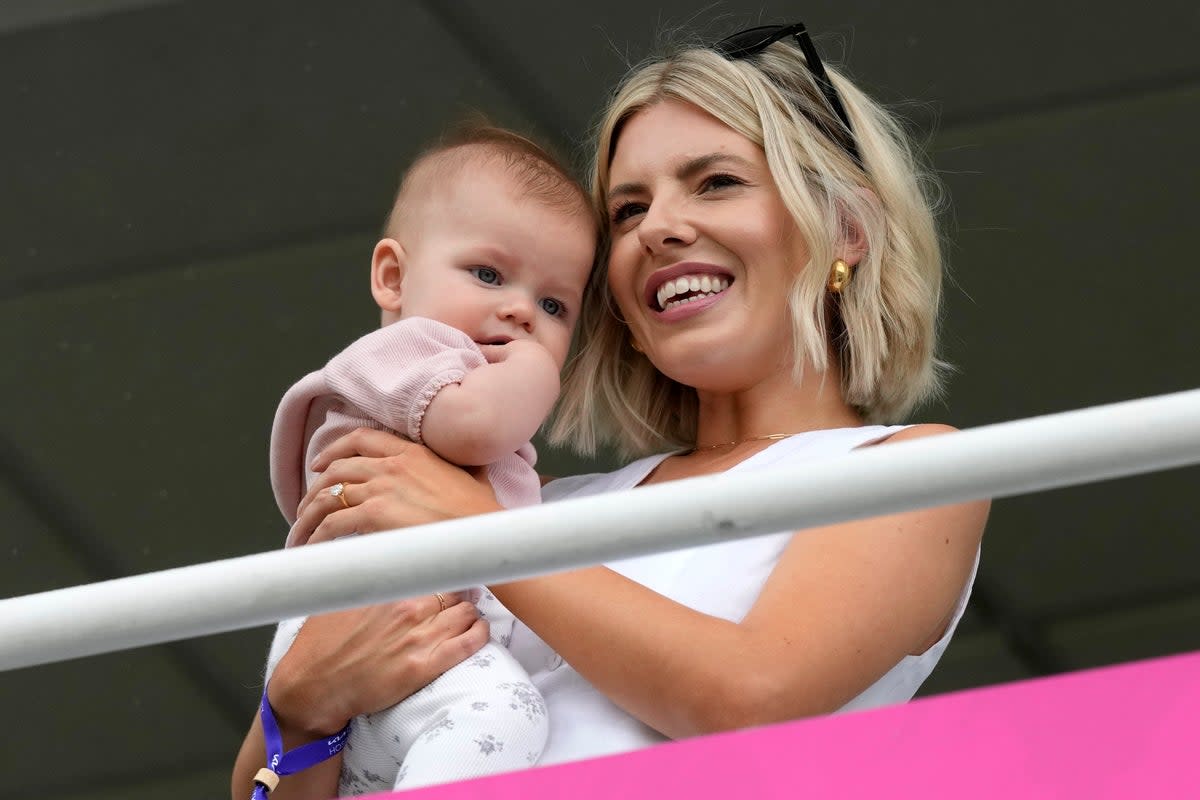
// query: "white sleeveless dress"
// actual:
[[722, 580]]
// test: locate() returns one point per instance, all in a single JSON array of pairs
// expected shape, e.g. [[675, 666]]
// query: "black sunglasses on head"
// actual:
[[753, 41]]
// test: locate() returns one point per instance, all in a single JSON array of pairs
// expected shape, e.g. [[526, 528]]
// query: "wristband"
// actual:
[[280, 763]]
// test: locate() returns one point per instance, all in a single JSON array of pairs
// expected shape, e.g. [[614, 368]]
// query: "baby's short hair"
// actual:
[[476, 141]]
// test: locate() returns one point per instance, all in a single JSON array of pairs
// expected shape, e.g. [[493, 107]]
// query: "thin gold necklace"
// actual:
[[743, 441]]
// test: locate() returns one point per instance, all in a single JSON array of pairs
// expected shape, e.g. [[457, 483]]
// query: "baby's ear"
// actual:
[[387, 275]]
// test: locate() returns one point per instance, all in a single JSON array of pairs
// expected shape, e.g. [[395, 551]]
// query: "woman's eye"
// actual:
[[553, 307], [721, 181], [625, 211], [486, 274]]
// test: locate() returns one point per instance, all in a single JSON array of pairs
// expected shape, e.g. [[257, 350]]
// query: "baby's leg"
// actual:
[[488, 719], [479, 718]]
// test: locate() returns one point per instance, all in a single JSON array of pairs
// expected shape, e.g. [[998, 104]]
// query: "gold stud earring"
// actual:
[[634, 344], [839, 276]]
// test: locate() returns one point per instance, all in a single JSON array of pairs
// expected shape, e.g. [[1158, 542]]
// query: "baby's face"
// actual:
[[496, 264]]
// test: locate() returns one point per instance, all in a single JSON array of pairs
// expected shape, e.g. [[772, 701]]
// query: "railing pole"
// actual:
[[992, 461]]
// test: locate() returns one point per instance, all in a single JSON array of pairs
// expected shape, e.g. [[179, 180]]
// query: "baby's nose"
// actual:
[[520, 310]]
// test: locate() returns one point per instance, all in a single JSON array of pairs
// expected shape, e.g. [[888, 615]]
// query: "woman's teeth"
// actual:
[[688, 288]]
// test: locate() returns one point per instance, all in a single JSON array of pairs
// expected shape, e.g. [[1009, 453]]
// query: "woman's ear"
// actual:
[[387, 276], [853, 244]]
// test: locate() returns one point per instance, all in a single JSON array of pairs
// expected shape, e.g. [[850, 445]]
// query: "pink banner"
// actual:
[[1119, 732]]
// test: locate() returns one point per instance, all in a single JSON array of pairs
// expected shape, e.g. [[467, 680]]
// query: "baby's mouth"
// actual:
[[687, 288]]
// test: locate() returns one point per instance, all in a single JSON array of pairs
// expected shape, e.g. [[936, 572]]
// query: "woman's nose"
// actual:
[[664, 225]]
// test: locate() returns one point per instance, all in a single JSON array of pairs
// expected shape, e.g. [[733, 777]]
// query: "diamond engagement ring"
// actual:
[[338, 490]]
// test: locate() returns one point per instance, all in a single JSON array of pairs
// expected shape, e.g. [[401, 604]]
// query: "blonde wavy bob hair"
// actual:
[[881, 328]]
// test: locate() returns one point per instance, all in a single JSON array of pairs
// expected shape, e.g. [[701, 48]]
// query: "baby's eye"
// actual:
[[486, 274], [552, 307]]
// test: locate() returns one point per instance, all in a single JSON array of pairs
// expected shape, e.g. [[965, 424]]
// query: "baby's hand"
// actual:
[[465, 424], [494, 353], [539, 371], [527, 350]]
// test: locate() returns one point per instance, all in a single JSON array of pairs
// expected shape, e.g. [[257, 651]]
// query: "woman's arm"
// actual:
[[354, 662], [844, 603], [318, 782]]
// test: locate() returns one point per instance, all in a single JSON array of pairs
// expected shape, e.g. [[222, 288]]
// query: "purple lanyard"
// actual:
[[280, 763]]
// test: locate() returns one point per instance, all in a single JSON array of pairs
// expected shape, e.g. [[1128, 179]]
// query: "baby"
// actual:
[[479, 278]]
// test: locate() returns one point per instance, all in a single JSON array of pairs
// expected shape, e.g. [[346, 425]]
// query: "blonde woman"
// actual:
[[768, 296]]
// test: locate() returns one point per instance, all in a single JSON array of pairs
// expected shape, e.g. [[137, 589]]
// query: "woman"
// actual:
[[770, 295]]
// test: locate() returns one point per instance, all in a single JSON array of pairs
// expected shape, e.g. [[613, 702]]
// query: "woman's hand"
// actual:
[[347, 663], [359, 661], [390, 483]]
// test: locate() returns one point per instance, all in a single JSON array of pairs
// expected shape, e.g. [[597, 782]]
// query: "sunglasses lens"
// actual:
[[751, 41]]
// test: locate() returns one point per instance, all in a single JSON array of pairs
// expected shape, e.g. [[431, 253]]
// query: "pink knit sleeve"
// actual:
[[384, 380], [393, 374]]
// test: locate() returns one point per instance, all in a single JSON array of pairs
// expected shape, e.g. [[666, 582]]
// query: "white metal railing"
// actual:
[[992, 461]]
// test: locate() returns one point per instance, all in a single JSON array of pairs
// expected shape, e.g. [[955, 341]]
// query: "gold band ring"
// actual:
[[441, 601], [338, 490]]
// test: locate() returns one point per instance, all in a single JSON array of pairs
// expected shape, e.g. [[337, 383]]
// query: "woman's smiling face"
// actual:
[[704, 252]]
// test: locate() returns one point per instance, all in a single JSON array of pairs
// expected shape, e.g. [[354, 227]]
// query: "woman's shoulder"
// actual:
[[824, 443], [625, 477], [918, 431]]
